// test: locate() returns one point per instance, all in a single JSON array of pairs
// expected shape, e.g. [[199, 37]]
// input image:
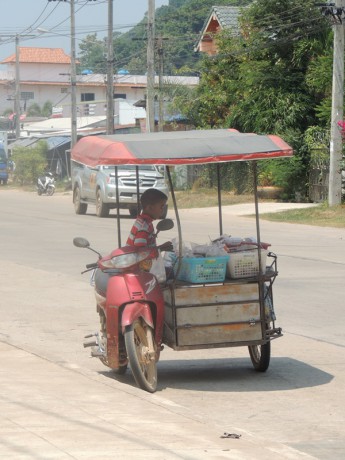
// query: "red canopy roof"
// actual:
[[180, 147]]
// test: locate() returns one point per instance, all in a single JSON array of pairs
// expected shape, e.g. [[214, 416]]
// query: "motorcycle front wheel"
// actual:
[[138, 336], [50, 191]]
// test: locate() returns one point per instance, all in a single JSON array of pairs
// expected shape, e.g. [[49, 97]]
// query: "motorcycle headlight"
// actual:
[[126, 260]]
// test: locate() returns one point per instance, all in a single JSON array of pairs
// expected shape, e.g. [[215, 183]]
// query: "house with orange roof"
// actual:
[[45, 76]]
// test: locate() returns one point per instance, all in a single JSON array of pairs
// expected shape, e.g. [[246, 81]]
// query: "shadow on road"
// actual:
[[238, 375], [235, 375]]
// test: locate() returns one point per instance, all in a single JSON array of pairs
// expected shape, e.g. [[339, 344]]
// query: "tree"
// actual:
[[34, 110], [92, 54], [261, 81], [179, 23], [47, 109], [30, 162]]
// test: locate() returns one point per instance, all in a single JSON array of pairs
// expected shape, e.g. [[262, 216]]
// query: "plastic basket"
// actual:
[[203, 269], [244, 264]]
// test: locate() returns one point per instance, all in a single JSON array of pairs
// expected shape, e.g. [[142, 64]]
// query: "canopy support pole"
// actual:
[[138, 188], [261, 275], [178, 222], [255, 176], [219, 186], [118, 207]]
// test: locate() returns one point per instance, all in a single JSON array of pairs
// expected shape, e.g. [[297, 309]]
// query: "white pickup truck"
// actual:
[[97, 186]]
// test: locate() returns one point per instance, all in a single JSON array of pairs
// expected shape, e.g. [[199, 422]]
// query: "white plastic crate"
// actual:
[[243, 264]]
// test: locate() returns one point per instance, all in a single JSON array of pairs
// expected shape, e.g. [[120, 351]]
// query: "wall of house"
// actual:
[[40, 72], [45, 72], [209, 47], [45, 83]]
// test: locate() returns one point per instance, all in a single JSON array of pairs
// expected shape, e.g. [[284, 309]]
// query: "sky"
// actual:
[[24, 17]]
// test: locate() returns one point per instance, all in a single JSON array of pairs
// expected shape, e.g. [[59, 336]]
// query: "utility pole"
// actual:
[[17, 79], [336, 146], [150, 115], [17, 90], [160, 84], [73, 74], [73, 80], [110, 71]]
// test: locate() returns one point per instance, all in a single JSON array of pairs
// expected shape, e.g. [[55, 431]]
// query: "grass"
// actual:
[[205, 198], [321, 216]]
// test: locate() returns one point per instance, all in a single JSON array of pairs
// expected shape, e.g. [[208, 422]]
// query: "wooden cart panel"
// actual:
[[212, 314]]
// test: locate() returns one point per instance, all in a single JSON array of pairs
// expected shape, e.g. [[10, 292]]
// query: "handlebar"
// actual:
[[90, 267], [93, 265]]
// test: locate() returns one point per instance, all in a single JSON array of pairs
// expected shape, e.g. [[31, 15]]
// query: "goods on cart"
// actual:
[[244, 264], [244, 256], [203, 269]]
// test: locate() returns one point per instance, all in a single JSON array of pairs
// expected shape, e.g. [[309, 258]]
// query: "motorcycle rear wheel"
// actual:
[[144, 367]]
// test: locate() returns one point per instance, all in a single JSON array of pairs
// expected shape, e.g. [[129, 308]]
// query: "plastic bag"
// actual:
[[187, 248], [215, 249], [158, 269]]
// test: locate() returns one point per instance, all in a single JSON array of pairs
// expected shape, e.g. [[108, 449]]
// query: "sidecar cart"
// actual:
[[208, 302]]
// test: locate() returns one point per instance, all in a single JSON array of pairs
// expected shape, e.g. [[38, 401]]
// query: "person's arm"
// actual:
[[168, 246]]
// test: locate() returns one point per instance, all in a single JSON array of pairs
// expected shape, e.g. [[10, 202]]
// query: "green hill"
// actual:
[[179, 24]]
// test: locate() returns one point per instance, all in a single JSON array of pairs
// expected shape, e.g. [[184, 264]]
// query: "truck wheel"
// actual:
[[102, 210], [165, 212], [79, 207], [133, 212]]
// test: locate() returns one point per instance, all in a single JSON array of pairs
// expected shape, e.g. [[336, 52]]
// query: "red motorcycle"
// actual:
[[130, 305]]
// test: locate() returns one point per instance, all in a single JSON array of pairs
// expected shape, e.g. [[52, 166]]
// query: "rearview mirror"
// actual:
[[81, 242], [165, 224]]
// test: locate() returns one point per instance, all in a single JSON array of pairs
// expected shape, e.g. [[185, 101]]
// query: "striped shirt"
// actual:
[[142, 233]]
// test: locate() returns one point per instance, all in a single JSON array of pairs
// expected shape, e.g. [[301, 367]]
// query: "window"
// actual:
[[64, 90], [26, 95], [120, 96], [87, 97]]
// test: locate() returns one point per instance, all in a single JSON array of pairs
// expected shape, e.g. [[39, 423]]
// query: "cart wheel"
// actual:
[[260, 356], [143, 364]]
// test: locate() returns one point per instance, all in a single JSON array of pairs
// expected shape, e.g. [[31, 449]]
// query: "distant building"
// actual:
[[45, 76], [220, 18]]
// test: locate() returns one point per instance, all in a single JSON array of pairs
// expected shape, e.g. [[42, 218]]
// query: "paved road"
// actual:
[[57, 403]]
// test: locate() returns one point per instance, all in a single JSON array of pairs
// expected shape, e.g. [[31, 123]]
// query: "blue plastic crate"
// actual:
[[203, 269]]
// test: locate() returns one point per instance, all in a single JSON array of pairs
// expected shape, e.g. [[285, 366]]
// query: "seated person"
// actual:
[[142, 233]]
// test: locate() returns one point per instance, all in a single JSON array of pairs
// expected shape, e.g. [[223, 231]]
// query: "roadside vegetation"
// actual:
[[321, 215]]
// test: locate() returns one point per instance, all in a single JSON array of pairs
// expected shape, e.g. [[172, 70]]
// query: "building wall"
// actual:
[[43, 82], [39, 72]]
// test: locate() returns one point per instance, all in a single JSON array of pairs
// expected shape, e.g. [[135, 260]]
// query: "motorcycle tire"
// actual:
[[39, 192], [144, 367], [50, 191]]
